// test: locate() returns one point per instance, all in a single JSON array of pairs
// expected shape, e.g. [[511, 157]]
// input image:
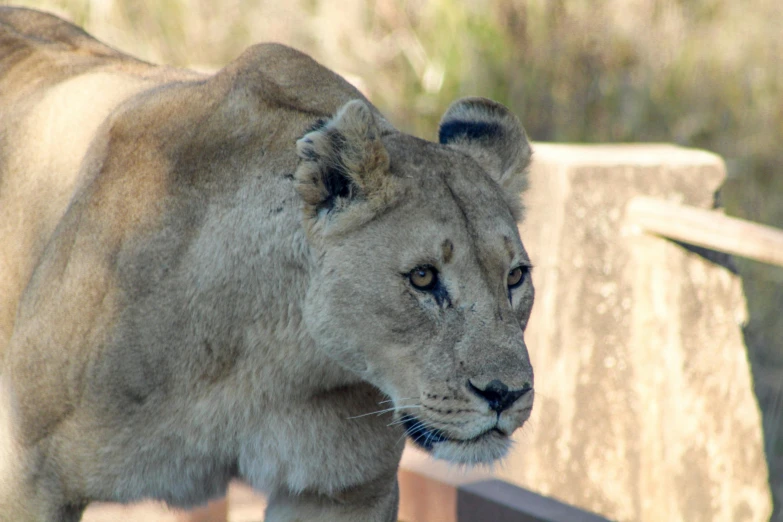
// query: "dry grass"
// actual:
[[701, 73]]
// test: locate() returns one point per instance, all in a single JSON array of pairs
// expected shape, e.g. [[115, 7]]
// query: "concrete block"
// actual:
[[644, 405]]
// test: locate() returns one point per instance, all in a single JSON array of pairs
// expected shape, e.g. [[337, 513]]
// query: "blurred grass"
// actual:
[[700, 73]]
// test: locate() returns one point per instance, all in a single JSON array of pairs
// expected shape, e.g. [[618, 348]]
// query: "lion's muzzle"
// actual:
[[498, 395]]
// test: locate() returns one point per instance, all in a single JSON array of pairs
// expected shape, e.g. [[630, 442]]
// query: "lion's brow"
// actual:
[[473, 233], [448, 250], [509, 247]]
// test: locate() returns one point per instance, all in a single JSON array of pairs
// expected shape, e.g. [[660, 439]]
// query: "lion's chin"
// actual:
[[486, 449]]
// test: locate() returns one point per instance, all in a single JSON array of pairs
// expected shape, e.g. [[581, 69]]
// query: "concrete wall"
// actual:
[[644, 407]]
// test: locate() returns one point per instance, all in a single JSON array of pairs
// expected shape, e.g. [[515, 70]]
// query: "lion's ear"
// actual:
[[489, 133], [341, 160]]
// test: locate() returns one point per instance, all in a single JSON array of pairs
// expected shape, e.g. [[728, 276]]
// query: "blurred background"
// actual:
[[699, 73]]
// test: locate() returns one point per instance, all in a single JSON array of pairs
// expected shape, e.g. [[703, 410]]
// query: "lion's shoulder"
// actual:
[[282, 76]]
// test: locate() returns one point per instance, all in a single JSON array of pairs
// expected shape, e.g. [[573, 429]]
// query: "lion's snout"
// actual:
[[497, 394]]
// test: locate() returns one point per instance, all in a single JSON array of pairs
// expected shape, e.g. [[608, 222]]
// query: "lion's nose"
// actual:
[[497, 394]]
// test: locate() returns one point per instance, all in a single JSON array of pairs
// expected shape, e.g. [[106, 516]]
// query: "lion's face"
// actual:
[[425, 285]]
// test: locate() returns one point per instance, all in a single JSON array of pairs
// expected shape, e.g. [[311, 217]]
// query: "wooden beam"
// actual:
[[424, 499], [433, 491], [428, 488], [708, 228], [503, 502], [215, 511], [150, 511]]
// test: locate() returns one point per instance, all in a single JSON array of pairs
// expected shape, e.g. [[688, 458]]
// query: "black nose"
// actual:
[[498, 395]]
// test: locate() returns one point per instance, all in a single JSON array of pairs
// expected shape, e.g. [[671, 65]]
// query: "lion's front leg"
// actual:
[[28, 494], [373, 502], [30, 489]]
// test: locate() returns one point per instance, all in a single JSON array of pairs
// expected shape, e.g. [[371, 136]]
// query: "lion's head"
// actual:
[[425, 289]]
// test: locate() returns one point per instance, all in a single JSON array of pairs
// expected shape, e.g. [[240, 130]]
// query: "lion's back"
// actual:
[[24, 32], [58, 88], [57, 84]]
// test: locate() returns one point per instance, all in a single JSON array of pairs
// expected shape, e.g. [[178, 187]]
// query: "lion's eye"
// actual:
[[423, 277], [516, 276]]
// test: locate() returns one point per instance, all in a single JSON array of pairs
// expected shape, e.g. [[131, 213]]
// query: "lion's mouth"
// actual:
[[426, 437]]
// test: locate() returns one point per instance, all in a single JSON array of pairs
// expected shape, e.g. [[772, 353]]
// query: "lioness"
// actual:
[[250, 274]]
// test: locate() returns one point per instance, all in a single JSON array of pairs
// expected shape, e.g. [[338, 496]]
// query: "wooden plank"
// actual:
[[244, 503], [150, 511], [428, 488], [708, 228], [433, 491], [500, 501], [215, 511], [424, 499]]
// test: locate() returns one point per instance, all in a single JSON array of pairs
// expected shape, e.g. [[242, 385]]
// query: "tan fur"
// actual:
[[204, 277]]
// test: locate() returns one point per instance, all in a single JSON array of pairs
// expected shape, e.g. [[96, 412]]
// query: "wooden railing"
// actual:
[[708, 228], [431, 491]]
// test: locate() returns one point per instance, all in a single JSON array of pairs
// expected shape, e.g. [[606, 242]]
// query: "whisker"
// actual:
[[402, 420], [420, 431], [380, 412], [425, 436], [398, 400]]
